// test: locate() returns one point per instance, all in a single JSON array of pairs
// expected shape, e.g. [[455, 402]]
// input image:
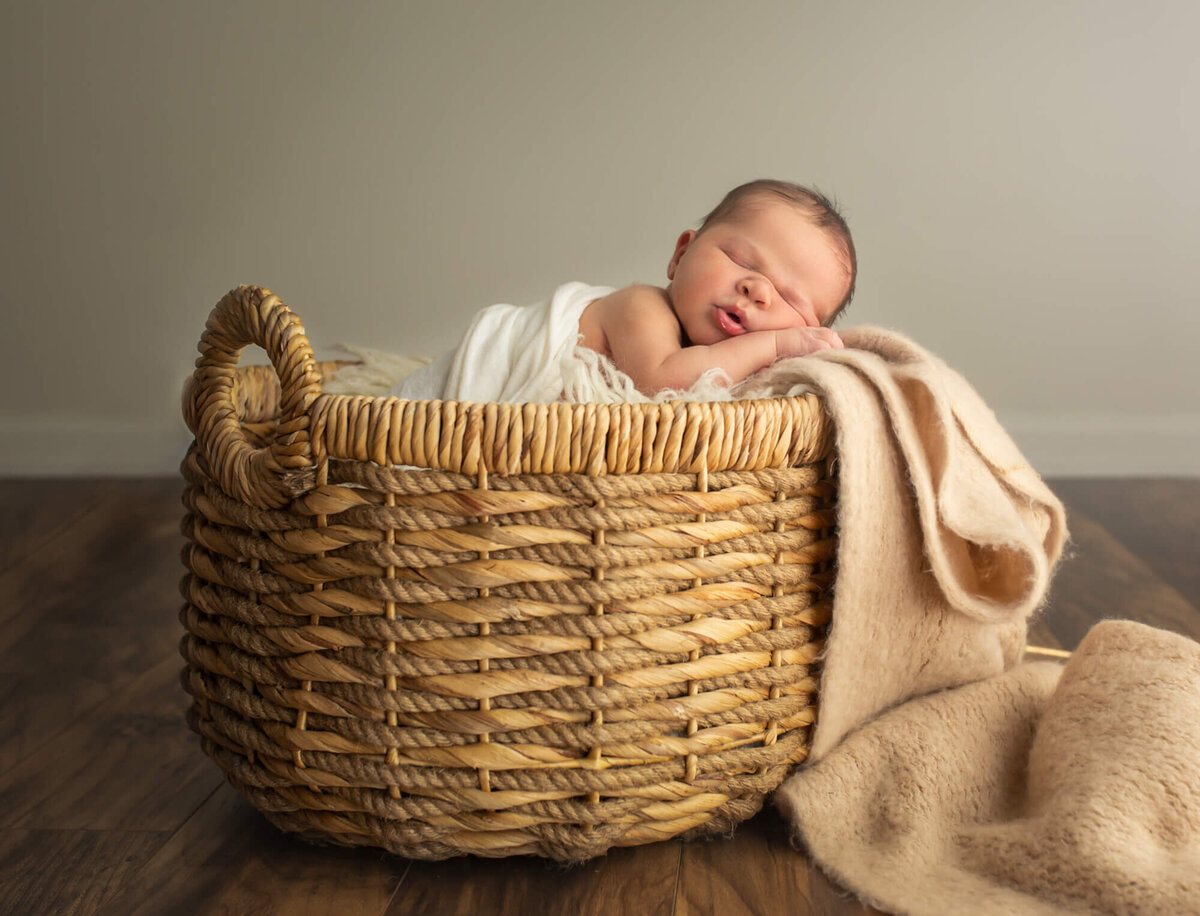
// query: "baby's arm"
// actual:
[[646, 343]]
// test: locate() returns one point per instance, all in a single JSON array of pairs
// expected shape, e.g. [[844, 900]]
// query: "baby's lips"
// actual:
[[730, 321]]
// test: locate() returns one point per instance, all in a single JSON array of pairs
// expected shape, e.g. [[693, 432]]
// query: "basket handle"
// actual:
[[270, 476]]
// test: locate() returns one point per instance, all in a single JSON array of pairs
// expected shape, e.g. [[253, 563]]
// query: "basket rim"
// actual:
[[313, 426], [572, 438], [559, 438]]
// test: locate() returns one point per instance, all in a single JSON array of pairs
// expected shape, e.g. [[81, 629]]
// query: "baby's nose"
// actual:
[[756, 290]]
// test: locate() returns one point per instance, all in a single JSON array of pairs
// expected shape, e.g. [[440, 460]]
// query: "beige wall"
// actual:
[[1021, 179]]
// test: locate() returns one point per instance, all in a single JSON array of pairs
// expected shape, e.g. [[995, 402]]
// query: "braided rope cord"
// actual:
[[267, 476]]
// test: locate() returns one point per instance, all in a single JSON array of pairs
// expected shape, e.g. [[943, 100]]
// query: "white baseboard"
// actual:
[[1057, 445]]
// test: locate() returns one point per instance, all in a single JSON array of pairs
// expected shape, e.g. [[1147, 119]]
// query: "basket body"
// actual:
[[519, 648]]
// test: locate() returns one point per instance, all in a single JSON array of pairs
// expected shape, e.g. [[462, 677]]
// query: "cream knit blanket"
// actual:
[[1018, 792], [947, 538]]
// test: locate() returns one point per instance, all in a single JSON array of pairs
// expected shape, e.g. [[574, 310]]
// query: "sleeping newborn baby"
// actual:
[[761, 279]]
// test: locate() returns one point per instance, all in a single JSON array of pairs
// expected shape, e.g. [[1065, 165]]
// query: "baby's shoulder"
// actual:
[[640, 297], [634, 310], [638, 309]]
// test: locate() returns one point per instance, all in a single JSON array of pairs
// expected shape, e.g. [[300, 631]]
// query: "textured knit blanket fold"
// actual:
[[943, 779], [947, 538], [1025, 793]]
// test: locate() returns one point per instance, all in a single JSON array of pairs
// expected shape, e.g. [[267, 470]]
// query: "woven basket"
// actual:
[[445, 628]]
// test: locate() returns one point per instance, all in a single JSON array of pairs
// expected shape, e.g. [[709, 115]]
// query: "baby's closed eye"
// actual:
[[738, 258]]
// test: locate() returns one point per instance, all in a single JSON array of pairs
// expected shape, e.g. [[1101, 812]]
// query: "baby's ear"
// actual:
[[680, 247]]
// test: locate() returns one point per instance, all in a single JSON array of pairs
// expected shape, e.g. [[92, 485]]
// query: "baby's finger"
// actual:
[[830, 337]]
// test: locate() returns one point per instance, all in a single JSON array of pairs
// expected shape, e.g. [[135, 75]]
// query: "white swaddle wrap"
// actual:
[[515, 354], [510, 353]]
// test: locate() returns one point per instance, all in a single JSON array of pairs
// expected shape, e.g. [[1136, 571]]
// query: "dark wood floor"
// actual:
[[107, 804]]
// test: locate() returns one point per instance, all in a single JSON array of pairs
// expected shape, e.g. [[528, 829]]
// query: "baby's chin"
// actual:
[[701, 337]]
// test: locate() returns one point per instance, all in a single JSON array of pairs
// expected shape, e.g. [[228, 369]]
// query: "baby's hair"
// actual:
[[817, 207]]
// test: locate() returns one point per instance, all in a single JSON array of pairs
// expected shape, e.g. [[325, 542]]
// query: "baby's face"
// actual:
[[766, 269]]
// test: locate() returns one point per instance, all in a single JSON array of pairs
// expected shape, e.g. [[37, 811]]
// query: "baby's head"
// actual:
[[819, 209], [774, 242]]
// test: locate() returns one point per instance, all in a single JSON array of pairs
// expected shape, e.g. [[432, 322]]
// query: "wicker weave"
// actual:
[[569, 627]]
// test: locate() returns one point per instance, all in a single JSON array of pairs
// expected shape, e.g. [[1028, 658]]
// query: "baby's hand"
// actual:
[[803, 341]]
